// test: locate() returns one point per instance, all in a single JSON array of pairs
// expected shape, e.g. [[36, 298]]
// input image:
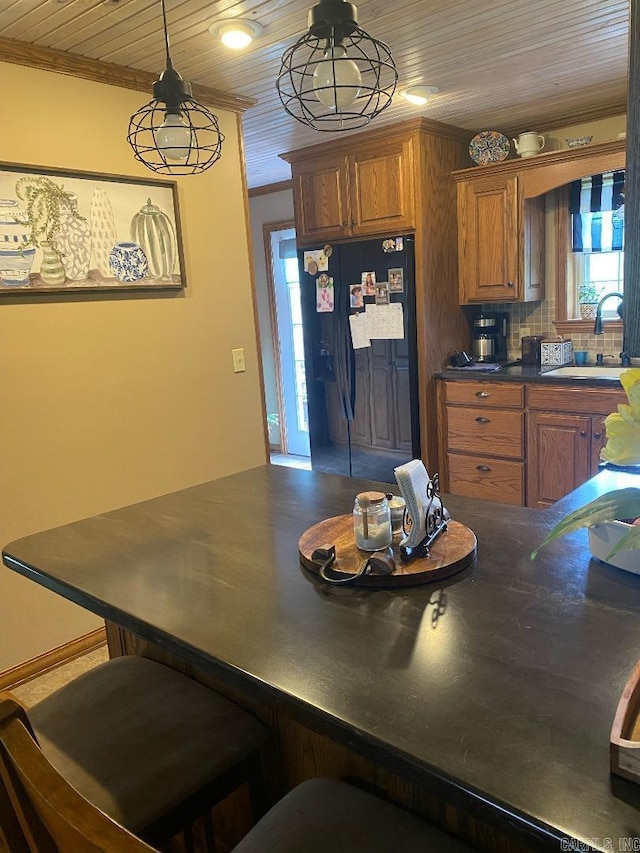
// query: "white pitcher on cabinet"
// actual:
[[529, 144]]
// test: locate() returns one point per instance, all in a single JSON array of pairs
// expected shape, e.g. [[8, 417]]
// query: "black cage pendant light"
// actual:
[[173, 134], [336, 77]]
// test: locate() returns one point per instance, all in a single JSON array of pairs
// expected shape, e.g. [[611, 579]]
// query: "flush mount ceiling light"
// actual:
[[236, 33], [336, 77], [419, 95], [173, 134]]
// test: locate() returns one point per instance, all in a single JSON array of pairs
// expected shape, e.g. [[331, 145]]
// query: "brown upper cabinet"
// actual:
[[355, 194], [500, 242], [501, 220]]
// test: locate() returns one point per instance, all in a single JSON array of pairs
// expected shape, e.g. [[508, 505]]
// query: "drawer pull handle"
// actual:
[[596, 435], [582, 433], [483, 468], [509, 284], [483, 420], [482, 394]]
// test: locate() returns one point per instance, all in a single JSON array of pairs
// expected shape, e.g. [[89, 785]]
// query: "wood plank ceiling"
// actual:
[[508, 65]]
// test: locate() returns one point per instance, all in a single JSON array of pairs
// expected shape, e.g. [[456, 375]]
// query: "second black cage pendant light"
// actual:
[[336, 77], [173, 134]]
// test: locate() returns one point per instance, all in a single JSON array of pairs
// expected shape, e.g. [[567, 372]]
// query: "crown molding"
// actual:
[[63, 62]]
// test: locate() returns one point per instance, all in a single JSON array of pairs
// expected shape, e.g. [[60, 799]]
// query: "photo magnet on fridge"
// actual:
[[382, 293], [396, 280], [324, 293], [369, 283], [356, 297]]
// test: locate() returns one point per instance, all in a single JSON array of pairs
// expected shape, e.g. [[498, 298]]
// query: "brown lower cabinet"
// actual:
[[527, 444]]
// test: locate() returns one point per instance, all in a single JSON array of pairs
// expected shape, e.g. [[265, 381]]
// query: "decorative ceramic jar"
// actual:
[[128, 262], [16, 251], [74, 240], [152, 229], [51, 268], [103, 231]]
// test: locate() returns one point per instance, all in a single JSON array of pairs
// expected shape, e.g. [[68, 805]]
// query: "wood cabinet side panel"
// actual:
[[442, 326], [534, 249]]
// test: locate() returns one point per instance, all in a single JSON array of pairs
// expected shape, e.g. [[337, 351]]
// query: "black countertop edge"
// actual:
[[526, 373]]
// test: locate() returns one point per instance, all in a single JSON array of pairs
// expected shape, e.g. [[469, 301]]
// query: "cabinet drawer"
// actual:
[[496, 432], [488, 479], [506, 395], [583, 401]]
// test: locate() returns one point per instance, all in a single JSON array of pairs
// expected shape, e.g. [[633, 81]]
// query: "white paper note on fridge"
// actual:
[[385, 321], [359, 335]]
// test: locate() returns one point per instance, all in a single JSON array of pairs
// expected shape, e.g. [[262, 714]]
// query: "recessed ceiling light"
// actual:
[[236, 33], [419, 95]]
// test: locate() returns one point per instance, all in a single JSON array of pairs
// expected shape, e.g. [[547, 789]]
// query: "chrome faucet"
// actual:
[[597, 326]]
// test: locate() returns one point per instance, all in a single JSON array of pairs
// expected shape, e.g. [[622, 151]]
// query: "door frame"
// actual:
[[267, 229]]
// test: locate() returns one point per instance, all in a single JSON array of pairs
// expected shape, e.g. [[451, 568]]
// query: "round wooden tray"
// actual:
[[452, 551]]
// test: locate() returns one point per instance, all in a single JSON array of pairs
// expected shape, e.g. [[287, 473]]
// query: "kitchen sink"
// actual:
[[593, 372]]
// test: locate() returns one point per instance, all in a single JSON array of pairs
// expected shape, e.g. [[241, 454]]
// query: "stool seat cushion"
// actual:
[[136, 738], [325, 816]]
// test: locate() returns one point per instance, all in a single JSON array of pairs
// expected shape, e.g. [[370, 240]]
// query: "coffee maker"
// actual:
[[490, 337]]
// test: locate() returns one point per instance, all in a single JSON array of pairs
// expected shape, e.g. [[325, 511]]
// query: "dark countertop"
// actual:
[[525, 373], [506, 699]]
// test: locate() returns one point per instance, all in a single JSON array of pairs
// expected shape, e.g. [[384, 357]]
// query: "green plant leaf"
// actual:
[[619, 504]]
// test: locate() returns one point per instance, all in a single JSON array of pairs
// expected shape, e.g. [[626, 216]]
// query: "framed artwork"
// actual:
[[64, 231], [396, 280]]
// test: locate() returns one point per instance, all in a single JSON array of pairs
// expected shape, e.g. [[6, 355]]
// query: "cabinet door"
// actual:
[[598, 441], [320, 195], [488, 240], [558, 456], [381, 182]]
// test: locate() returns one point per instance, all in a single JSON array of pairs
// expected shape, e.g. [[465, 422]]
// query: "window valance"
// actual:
[[596, 204]]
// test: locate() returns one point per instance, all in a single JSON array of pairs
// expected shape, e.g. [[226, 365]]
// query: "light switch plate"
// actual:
[[238, 360]]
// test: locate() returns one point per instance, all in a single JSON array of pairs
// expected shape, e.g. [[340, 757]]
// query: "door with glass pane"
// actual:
[[290, 347]]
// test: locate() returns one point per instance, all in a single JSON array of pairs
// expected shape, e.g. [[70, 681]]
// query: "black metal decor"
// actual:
[[336, 77], [173, 134]]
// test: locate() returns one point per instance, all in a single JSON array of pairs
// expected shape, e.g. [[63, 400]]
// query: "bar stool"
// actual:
[[150, 747], [327, 816], [41, 812]]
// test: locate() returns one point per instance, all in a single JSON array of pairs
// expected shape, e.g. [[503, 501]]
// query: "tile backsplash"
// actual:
[[536, 318]]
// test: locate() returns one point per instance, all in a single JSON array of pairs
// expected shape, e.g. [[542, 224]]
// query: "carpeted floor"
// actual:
[[33, 691]]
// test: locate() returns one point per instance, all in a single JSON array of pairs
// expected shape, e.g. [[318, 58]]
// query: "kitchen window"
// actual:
[[590, 232]]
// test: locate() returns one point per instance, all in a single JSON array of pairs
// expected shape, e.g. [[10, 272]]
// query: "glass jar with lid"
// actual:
[[372, 521]]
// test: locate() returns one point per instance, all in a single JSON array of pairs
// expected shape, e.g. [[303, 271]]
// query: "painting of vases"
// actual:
[[65, 231], [16, 251]]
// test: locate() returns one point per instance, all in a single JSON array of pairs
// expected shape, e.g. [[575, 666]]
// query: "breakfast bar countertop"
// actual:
[[497, 686]]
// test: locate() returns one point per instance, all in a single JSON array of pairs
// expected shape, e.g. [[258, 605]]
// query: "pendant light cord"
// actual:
[[166, 34]]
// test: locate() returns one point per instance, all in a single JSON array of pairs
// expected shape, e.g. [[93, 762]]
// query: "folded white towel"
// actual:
[[414, 484]]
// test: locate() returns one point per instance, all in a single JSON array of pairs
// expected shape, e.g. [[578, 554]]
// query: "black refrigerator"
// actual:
[[362, 403]]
